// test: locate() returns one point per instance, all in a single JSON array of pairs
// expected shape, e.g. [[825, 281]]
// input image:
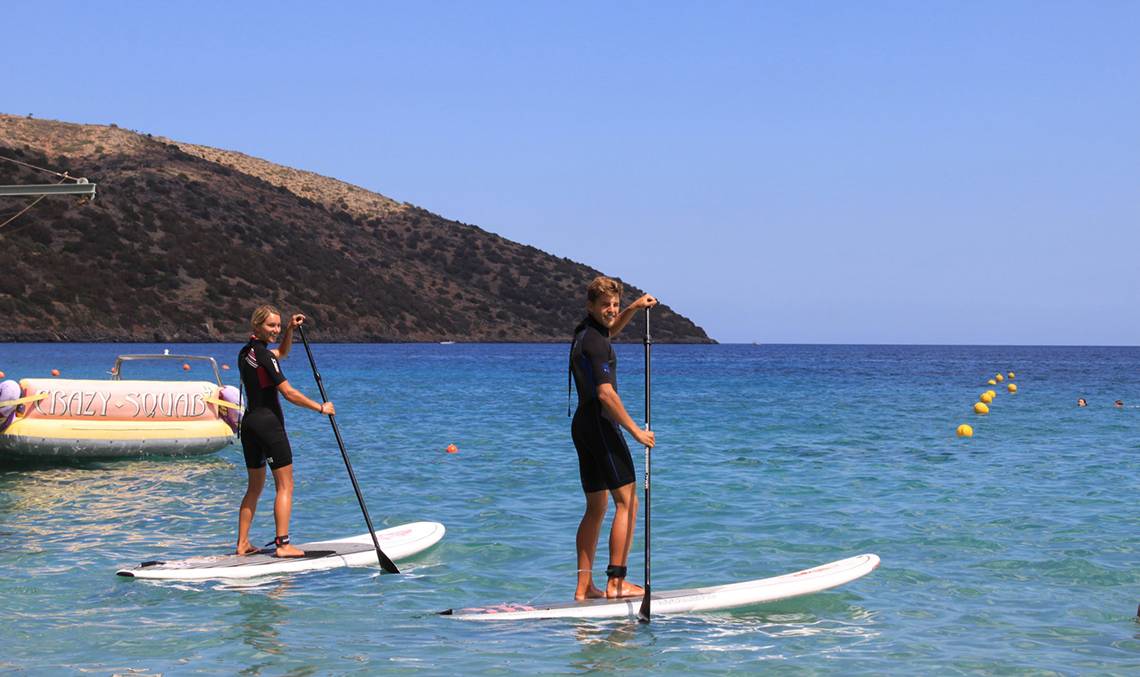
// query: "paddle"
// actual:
[[385, 563], [643, 613]]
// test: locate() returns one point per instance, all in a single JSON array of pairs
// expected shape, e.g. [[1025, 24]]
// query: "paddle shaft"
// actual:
[[385, 562], [643, 613]]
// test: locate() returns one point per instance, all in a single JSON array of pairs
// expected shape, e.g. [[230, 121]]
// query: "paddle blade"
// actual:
[[643, 612], [385, 563]]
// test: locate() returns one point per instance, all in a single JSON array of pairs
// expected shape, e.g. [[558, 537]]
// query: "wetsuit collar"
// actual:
[[591, 322]]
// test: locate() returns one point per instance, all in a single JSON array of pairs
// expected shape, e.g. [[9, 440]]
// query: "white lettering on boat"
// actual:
[[133, 400], [87, 403], [106, 397]]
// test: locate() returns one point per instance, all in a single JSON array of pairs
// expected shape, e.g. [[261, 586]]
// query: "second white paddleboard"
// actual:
[[694, 599]]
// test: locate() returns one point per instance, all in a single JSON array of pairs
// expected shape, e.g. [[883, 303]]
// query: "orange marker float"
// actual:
[[452, 449]]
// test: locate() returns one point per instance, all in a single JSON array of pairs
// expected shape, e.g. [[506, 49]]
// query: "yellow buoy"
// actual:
[[986, 397], [965, 431], [991, 382], [992, 393], [999, 377], [1012, 387], [981, 408], [1010, 375]]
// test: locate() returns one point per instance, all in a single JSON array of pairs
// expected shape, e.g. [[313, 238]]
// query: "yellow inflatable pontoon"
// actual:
[[78, 418]]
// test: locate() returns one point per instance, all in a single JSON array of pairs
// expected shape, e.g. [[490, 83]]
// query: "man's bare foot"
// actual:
[[287, 550], [246, 548], [618, 587], [591, 593]]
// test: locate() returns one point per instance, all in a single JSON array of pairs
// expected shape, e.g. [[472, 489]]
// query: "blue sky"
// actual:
[[817, 172]]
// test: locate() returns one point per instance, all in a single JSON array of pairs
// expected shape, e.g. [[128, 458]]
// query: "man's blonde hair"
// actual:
[[262, 313], [603, 286]]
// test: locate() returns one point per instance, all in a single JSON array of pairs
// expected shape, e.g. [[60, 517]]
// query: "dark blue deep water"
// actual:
[[1014, 551]]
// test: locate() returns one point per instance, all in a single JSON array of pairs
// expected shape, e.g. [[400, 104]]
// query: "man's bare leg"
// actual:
[[248, 508], [587, 542], [283, 509], [621, 539]]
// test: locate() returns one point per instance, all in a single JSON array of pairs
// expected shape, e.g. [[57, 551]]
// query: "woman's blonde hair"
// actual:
[[603, 286], [262, 313]]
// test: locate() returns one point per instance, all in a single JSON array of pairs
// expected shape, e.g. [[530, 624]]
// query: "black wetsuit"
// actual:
[[263, 426], [604, 461]]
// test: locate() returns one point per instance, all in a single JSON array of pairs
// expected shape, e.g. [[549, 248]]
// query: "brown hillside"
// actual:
[[183, 240]]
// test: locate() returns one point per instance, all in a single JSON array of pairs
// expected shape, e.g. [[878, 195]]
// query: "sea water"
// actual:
[[1013, 551]]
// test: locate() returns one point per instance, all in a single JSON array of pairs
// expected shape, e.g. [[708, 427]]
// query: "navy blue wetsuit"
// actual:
[[604, 461], [263, 426]]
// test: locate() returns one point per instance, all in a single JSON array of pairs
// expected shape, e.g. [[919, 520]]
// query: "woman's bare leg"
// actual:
[[248, 508]]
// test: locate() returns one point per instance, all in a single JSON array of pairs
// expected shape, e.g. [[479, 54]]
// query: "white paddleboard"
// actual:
[[397, 543], [694, 599]]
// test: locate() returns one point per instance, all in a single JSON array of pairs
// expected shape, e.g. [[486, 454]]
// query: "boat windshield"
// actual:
[[165, 368]]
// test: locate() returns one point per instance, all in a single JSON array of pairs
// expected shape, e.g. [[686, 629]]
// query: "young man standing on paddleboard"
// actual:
[[604, 461], [263, 436]]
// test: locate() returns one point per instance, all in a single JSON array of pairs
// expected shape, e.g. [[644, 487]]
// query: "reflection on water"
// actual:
[[260, 612], [122, 502], [611, 635], [604, 647], [117, 482], [761, 633]]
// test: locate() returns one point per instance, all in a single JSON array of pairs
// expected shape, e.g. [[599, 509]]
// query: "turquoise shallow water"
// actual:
[[1014, 551]]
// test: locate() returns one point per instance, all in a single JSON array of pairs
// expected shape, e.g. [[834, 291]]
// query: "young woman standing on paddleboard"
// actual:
[[263, 436], [604, 461]]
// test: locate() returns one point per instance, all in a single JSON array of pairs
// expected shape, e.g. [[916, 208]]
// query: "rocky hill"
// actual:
[[182, 241]]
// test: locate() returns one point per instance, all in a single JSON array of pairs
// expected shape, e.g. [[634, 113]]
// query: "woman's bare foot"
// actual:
[[246, 548], [591, 593], [287, 550], [618, 587]]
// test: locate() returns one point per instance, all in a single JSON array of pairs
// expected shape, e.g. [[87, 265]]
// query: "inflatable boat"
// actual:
[[44, 418]]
